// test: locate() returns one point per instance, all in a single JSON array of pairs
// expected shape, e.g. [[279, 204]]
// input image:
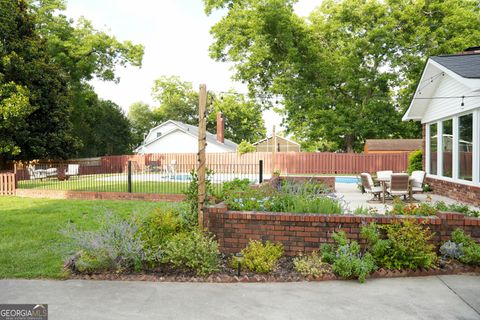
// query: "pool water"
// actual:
[[346, 180]]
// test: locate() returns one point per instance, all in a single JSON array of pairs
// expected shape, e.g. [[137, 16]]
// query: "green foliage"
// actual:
[[115, 245], [295, 198], [457, 207], [412, 209], [348, 71], [346, 258], [156, 229], [470, 249], [310, 265], [192, 194], [415, 159], [245, 147], [405, 245], [142, 120], [260, 257], [194, 251]]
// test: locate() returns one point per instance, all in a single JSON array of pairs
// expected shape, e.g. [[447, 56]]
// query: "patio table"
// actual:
[[383, 183]]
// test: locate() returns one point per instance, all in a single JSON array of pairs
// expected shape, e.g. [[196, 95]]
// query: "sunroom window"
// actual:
[[433, 148], [465, 147], [447, 147]]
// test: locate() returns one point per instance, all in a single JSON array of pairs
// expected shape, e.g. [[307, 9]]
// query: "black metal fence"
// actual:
[[128, 176]]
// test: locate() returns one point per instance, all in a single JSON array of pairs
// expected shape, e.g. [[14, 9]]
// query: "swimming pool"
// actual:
[[346, 180]]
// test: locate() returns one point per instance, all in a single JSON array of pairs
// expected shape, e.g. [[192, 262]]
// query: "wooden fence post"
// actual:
[[202, 143]]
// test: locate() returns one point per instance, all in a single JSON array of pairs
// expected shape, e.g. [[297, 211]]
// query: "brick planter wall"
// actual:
[[90, 195], [305, 232], [457, 191], [328, 181]]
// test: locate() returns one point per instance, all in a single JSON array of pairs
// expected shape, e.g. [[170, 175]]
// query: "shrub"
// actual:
[[310, 265], [423, 209], [191, 193], [415, 161], [457, 207], [116, 245], [156, 229], [193, 251], [346, 258], [246, 147], [470, 249], [260, 257], [405, 245], [451, 250], [235, 186]]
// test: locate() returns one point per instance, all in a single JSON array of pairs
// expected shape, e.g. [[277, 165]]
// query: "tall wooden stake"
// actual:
[[274, 150], [202, 143]]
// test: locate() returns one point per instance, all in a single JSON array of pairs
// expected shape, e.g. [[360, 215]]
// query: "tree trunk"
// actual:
[[349, 143]]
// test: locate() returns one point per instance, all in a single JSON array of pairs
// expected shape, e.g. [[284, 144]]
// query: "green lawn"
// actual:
[[101, 184], [31, 242]]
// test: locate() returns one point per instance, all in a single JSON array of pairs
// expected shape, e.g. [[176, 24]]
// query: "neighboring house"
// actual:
[[392, 145], [447, 103], [281, 145], [178, 137]]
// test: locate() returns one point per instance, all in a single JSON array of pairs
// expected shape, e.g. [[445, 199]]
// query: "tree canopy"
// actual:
[[347, 72]]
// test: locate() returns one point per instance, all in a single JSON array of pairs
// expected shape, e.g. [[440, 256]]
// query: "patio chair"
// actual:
[[399, 185], [72, 170], [36, 174], [416, 180], [367, 183], [386, 174]]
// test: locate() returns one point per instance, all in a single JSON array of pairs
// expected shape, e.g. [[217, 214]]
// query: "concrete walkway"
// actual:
[[444, 297]]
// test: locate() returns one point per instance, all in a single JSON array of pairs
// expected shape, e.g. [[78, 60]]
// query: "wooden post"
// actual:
[[202, 143], [274, 150]]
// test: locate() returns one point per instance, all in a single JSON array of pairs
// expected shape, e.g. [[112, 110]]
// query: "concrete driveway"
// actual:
[[444, 297]]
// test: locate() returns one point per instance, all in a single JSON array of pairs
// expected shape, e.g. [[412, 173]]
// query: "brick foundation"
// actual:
[[457, 191], [89, 195], [305, 232], [328, 181]]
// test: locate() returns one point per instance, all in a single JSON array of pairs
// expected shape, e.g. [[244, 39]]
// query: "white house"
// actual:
[[178, 137], [447, 103]]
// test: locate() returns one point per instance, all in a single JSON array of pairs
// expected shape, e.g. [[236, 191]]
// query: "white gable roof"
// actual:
[[171, 126], [441, 79]]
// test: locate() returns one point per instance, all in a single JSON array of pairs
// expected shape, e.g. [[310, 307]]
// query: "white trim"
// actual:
[[267, 138], [476, 146], [427, 148]]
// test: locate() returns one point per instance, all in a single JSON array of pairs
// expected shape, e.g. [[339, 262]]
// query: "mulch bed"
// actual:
[[283, 273]]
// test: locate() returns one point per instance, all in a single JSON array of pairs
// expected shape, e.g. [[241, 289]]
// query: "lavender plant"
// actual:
[[115, 245]]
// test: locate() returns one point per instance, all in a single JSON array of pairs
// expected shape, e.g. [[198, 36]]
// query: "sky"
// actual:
[[176, 37]]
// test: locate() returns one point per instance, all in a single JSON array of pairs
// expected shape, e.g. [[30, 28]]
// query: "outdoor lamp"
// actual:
[[239, 258]]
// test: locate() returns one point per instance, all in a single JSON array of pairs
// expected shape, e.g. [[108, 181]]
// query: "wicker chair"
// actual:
[[399, 185], [369, 187]]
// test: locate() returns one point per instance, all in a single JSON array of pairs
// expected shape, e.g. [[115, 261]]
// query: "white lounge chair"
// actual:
[[416, 180], [72, 170], [399, 185], [367, 183]]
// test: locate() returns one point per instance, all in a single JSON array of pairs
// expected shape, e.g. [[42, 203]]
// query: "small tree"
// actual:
[[246, 147]]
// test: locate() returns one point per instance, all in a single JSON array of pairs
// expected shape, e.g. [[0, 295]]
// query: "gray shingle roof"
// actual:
[[211, 138], [465, 65]]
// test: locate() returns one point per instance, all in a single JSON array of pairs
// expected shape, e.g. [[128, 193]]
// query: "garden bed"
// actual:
[[283, 273]]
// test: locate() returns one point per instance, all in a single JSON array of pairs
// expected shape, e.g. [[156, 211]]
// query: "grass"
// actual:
[[31, 242], [92, 183]]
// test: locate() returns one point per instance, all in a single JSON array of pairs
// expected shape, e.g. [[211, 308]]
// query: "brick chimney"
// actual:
[[220, 128]]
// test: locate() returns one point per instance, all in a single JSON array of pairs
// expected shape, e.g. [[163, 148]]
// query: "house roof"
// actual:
[[193, 131], [466, 65], [268, 138], [393, 144], [463, 68]]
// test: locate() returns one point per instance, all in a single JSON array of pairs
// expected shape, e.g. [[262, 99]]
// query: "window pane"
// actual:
[[433, 148], [465, 144], [447, 141]]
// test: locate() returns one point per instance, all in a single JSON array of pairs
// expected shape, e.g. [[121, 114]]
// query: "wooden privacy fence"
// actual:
[[285, 162], [7, 183]]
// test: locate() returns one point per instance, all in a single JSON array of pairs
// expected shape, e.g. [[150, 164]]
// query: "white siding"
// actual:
[[444, 108], [167, 127]]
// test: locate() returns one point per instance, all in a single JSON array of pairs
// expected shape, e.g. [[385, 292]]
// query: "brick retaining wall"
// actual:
[[91, 195], [305, 232], [457, 191]]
